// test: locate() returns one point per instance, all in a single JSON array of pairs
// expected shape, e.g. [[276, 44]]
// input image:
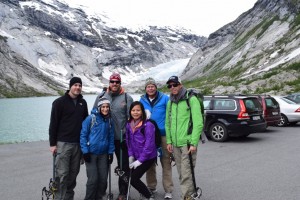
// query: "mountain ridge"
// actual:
[[55, 42], [239, 56]]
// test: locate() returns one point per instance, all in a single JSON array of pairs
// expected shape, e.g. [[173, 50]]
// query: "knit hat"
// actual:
[[150, 81], [103, 100], [174, 79], [115, 76], [75, 80]]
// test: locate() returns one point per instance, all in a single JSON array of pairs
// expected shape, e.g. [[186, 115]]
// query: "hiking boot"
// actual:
[[144, 198], [153, 191], [121, 197], [168, 195], [188, 198]]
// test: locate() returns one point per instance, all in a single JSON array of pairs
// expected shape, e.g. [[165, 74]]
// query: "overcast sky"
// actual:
[[201, 16]]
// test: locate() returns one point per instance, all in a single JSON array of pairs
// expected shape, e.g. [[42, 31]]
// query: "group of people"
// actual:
[[118, 125]]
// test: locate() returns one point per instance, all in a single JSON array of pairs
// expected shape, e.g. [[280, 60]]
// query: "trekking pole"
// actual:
[[53, 183], [198, 192], [110, 196], [129, 185], [121, 145]]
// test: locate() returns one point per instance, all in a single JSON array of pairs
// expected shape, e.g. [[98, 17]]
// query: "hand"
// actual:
[[192, 149], [135, 164], [110, 158], [53, 149], [131, 159], [170, 148], [123, 144], [87, 157]]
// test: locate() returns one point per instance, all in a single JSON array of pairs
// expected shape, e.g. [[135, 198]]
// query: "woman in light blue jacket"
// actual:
[[97, 146]]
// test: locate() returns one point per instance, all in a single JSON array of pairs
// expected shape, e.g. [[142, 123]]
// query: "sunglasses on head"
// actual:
[[116, 82], [173, 85]]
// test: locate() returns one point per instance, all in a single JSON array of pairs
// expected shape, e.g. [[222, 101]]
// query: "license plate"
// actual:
[[256, 118], [275, 113]]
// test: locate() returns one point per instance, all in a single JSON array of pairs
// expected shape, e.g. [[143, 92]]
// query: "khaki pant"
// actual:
[[184, 170], [67, 168], [166, 170]]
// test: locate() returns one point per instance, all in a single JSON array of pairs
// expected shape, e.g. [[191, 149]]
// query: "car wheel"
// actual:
[[283, 121], [218, 132]]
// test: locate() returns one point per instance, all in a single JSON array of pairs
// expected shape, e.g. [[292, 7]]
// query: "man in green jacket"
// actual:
[[180, 141]]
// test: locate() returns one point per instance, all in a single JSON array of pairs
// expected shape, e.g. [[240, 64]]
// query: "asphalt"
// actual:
[[263, 166], [26, 168]]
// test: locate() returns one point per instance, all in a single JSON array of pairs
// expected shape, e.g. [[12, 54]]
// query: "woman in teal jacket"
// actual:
[[97, 146]]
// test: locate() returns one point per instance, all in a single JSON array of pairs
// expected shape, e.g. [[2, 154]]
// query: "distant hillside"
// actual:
[[259, 52]]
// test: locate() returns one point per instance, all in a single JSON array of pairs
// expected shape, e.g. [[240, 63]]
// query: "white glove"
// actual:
[[135, 164], [131, 159], [148, 114]]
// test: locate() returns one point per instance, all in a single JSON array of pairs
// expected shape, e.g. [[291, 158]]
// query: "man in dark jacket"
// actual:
[[67, 115], [120, 104]]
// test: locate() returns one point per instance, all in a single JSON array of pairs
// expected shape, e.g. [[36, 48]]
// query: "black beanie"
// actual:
[[75, 80]]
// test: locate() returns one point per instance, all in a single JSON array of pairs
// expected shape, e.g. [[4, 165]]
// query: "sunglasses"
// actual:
[[116, 82], [173, 85]]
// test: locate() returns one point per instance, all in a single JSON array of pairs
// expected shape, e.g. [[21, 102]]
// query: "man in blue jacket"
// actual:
[[156, 102]]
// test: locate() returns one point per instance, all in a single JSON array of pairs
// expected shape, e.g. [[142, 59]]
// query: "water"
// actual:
[[27, 119]]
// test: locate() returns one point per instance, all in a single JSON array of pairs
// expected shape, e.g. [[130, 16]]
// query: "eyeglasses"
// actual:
[[116, 82], [173, 85]]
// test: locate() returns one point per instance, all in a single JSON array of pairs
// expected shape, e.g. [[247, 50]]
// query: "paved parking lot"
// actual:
[[263, 166]]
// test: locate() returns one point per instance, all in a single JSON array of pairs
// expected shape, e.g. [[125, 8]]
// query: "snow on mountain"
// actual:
[[43, 43]]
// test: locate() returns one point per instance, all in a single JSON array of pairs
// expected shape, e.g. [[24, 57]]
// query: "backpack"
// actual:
[[157, 133], [194, 92]]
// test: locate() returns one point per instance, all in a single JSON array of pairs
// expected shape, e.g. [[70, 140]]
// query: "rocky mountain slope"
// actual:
[[43, 43], [259, 52]]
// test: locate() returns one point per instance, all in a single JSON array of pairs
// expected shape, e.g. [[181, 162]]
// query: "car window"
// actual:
[[252, 104], [206, 104], [224, 104], [288, 100], [297, 99], [271, 103]]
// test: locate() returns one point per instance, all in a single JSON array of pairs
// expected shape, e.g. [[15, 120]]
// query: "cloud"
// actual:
[[201, 16]]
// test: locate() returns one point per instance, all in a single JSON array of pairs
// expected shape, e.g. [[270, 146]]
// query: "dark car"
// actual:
[[271, 109], [232, 116]]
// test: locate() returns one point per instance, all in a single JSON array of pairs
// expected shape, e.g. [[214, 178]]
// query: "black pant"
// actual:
[[136, 176], [123, 164]]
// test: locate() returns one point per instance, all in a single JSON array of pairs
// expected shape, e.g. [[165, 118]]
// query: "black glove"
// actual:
[[123, 145], [110, 158], [87, 157]]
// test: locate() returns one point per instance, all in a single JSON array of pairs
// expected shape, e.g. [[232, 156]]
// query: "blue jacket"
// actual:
[[141, 145], [158, 109], [100, 138]]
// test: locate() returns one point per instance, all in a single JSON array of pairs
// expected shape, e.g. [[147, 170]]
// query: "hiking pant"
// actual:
[[123, 163], [184, 170], [96, 171], [166, 170], [67, 167], [137, 174]]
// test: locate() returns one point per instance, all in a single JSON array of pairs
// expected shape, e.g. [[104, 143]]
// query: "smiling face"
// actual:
[[136, 112], [174, 88], [104, 109], [114, 85], [151, 90], [75, 90]]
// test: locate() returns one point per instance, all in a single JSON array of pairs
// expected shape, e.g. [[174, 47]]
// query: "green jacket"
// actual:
[[177, 122]]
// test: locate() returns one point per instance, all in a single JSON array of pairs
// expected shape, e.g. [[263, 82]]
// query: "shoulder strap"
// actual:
[[190, 129]]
